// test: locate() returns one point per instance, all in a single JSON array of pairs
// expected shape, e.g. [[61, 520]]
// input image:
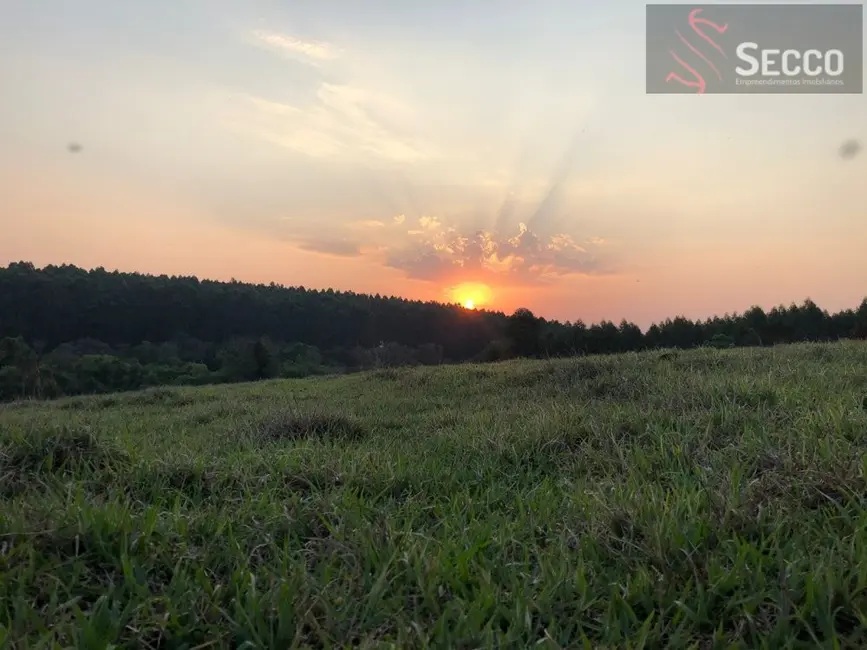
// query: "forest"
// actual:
[[65, 330]]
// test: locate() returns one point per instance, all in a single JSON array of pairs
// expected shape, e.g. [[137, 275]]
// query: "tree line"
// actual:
[[66, 330]]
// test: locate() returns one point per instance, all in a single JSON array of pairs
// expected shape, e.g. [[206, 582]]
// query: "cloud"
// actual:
[[441, 253], [312, 52], [336, 247], [367, 224], [849, 149], [338, 123], [429, 223], [342, 118]]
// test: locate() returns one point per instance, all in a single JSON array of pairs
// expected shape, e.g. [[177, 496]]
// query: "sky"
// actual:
[[410, 148]]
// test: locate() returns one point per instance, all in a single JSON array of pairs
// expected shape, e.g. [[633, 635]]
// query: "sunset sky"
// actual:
[[403, 148]]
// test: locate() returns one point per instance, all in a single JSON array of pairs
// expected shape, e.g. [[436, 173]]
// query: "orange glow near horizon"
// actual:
[[471, 295]]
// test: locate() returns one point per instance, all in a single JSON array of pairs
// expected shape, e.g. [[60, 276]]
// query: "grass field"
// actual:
[[702, 499]]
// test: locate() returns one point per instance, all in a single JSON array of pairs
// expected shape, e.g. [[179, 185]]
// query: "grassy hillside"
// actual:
[[702, 499]]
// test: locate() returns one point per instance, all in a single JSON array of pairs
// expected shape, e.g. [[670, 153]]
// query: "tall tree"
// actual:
[[522, 330]]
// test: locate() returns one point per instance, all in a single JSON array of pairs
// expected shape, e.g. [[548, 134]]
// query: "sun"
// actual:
[[470, 295]]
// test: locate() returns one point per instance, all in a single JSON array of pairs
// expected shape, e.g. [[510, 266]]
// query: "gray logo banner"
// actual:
[[755, 48]]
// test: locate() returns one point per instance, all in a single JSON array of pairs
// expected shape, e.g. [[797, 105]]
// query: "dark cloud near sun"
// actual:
[[337, 247], [849, 149]]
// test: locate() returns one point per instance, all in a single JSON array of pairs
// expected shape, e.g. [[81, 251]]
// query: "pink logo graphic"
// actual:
[[698, 81]]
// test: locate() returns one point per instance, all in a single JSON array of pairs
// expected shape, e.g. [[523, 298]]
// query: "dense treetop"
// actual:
[[58, 304], [67, 330]]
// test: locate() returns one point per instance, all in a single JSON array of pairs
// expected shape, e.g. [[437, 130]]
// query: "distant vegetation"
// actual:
[[701, 499], [67, 331]]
